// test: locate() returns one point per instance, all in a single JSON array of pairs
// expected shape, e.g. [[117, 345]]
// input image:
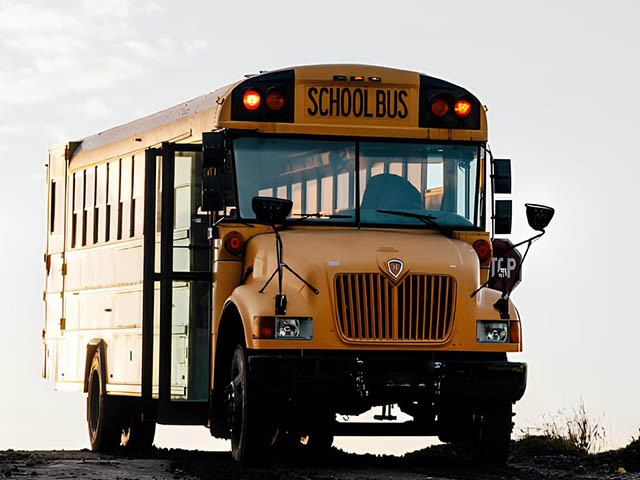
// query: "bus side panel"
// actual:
[[104, 300]]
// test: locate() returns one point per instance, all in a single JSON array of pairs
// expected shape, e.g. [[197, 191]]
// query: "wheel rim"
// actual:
[[94, 403]]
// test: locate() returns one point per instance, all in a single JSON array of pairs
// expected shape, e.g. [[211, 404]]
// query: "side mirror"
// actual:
[[502, 217], [213, 184], [539, 216], [501, 175], [212, 192], [270, 209], [213, 152]]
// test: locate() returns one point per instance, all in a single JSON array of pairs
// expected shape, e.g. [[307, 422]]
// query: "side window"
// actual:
[[113, 200], [99, 221], [126, 179], [137, 207], [77, 227], [52, 207], [89, 204]]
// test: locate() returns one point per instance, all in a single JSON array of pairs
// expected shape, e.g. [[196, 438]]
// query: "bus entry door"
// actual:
[[177, 288]]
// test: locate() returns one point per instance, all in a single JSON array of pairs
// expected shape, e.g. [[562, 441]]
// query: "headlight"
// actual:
[[284, 328], [287, 327], [492, 332], [294, 328]]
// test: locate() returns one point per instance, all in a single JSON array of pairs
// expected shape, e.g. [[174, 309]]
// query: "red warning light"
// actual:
[[439, 107], [233, 243], [483, 249], [275, 100], [251, 100], [462, 108]]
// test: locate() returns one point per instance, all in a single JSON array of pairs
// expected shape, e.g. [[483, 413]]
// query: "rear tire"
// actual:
[[251, 435], [137, 434], [495, 433], [315, 442], [102, 420]]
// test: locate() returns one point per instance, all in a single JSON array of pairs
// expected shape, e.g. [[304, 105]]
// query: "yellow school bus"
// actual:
[[305, 244]]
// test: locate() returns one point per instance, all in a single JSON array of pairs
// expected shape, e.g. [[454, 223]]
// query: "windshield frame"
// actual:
[[480, 187]]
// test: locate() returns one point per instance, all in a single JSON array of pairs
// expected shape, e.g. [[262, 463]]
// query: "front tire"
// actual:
[[137, 434], [104, 430], [495, 433], [251, 435]]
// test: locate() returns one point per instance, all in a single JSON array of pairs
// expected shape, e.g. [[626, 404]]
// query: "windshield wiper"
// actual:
[[426, 219], [304, 216]]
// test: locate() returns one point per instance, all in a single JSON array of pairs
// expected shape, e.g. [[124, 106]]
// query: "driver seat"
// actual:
[[391, 192]]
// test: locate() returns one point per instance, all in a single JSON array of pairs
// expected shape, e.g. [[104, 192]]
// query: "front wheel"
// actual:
[[251, 435], [137, 434], [495, 433]]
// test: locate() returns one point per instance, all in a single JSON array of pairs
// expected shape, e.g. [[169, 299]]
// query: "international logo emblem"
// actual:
[[395, 267]]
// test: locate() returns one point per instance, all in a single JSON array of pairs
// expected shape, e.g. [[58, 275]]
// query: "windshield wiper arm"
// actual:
[[426, 219], [304, 216]]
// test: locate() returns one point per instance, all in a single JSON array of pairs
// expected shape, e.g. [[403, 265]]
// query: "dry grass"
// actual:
[[571, 431]]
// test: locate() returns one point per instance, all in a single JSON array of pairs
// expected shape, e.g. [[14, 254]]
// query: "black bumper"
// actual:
[[351, 381]]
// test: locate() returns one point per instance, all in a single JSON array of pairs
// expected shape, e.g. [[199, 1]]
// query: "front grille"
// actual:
[[371, 309]]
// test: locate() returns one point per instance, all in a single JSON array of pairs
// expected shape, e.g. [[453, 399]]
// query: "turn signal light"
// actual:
[[439, 107], [251, 100], [233, 243], [483, 249], [462, 108], [265, 327], [514, 331], [275, 100]]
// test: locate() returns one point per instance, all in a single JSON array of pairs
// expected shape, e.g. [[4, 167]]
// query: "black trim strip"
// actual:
[[149, 277], [166, 266]]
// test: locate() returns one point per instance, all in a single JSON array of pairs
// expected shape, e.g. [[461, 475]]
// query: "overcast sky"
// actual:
[[560, 80]]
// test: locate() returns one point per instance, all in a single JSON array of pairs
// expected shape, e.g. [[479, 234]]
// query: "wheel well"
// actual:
[[230, 333], [95, 344]]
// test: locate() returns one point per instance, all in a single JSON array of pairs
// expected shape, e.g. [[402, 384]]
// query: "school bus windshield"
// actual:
[[319, 177]]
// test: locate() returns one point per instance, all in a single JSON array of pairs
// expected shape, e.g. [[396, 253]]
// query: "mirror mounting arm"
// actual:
[[539, 217]]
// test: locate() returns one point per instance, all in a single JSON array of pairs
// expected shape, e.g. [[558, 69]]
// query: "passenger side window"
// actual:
[[126, 179], [99, 221], [137, 206], [113, 200], [77, 208], [52, 207], [89, 203]]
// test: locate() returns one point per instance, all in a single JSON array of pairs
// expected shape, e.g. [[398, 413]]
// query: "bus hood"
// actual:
[[318, 255]]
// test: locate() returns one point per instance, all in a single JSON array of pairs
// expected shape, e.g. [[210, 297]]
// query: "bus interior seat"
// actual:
[[391, 192]]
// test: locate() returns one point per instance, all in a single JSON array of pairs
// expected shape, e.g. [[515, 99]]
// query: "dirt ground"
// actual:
[[531, 458]]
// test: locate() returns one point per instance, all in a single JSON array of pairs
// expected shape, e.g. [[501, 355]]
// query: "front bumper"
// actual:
[[351, 382]]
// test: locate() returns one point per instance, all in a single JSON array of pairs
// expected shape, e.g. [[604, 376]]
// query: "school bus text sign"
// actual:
[[362, 104]]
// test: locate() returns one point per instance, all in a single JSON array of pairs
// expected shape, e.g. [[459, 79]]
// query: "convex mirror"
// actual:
[[539, 216], [270, 209]]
